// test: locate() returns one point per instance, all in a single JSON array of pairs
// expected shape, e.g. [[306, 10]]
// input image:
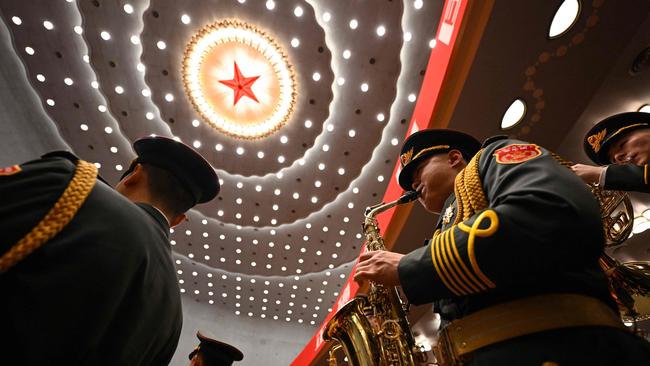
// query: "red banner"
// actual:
[[452, 16]]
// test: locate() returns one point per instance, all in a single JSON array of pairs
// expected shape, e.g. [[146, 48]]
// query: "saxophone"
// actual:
[[373, 330]]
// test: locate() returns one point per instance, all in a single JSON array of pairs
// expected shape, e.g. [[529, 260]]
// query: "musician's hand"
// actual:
[[378, 266], [588, 173]]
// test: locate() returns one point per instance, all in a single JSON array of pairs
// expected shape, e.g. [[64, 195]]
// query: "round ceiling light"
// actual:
[[565, 17], [239, 79], [514, 114]]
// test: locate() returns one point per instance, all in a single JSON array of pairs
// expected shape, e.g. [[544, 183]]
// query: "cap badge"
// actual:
[[517, 153], [596, 139], [406, 157]]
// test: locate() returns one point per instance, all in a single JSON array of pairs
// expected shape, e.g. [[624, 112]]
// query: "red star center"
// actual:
[[241, 85]]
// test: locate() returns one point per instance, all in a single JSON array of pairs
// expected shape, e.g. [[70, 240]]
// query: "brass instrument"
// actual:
[[373, 330], [629, 282]]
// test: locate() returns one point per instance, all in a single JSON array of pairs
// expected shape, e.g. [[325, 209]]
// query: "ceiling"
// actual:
[[279, 241]]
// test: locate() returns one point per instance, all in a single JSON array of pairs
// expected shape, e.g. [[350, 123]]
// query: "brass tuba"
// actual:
[[373, 330]]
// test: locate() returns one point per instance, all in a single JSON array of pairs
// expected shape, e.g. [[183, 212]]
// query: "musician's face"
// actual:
[[631, 148], [434, 179]]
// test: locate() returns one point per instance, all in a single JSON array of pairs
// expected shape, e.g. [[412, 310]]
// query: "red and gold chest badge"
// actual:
[[517, 153], [11, 170]]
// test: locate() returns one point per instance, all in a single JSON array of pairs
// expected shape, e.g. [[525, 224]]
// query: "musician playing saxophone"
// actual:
[[622, 140], [513, 265]]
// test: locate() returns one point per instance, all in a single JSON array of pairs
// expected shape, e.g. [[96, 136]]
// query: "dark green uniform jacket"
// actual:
[[101, 292], [541, 233], [628, 178]]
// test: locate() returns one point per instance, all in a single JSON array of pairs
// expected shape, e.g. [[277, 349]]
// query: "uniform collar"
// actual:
[[157, 215]]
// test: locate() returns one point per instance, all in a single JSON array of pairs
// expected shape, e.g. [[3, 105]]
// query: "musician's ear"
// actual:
[[455, 157]]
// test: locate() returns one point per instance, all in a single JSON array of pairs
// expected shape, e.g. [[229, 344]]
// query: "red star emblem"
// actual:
[[241, 85]]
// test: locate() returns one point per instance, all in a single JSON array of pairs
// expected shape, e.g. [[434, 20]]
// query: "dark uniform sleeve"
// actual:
[[540, 218], [627, 178]]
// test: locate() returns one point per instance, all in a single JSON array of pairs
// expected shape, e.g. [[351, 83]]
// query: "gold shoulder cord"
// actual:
[[57, 218], [470, 197]]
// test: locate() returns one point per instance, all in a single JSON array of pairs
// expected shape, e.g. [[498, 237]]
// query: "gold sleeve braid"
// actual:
[[455, 274], [57, 218]]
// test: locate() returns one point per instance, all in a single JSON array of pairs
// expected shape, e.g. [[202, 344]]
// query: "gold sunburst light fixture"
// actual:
[[239, 79]]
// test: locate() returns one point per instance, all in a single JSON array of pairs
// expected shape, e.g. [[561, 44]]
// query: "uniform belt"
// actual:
[[519, 318]]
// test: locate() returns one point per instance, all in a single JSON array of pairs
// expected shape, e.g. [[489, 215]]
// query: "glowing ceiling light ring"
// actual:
[[234, 31]]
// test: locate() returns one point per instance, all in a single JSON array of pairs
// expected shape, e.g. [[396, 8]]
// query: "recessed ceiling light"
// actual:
[[270, 4], [316, 76], [169, 97], [147, 93], [564, 18], [514, 114], [284, 139], [108, 130], [394, 142], [326, 147], [298, 11], [280, 159], [94, 84], [308, 123], [161, 45], [101, 108], [417, 4], [30, 51], [50, 102], [341, 171], [260, 154], [135, 39], [77, 29], [327, 17], [381, 30], [340, 81], [105, 35], [16, 20], [354, 24], [380, 117], [407, 36], [347, 54], [197, 144], [140, 67], [68, 81], [185, 19], [128, 8], [364, 87], [432, 43], [412, 97], [119, 89], [149, 116], [295, 42], [352, 133], [321, 166], [48, 25], [240, 150], [218, 147]]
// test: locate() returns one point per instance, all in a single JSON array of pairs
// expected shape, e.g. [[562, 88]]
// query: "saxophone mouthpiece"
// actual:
[[408, 197]]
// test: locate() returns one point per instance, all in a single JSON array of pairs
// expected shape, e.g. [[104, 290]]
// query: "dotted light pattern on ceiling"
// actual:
[[283, 235]]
